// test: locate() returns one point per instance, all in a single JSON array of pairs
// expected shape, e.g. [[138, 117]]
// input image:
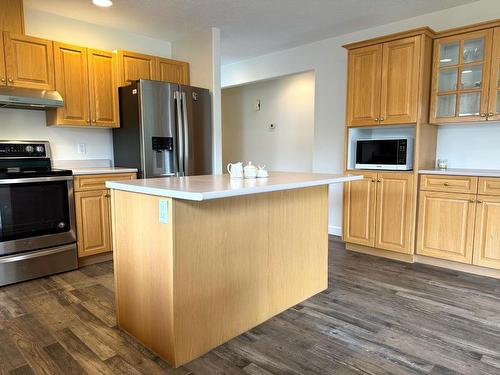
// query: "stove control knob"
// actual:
[[29, 149], [39, 149]]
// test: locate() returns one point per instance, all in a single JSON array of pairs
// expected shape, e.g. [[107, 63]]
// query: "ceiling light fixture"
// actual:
[[102, 3]]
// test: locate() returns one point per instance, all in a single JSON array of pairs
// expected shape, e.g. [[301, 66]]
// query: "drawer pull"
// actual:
[[107, 195], [446, 184], [479, 202], [472, 201]]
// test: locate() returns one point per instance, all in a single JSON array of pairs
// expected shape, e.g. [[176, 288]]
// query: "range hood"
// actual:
[[15, 97]]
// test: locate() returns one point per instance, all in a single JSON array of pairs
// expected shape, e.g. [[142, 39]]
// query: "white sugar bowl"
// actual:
[[261, 172], [250, 170]]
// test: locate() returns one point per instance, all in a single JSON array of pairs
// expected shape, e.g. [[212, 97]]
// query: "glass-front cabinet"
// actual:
[[461, 77]]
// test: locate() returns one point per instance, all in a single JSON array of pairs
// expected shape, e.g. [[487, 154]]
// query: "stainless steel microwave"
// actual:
[[384, 153]]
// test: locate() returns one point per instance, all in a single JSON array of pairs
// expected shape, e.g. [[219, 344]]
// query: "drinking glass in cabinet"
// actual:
[[473, 50], [448, 54], [446, 105], [469, 104], [471, 77], [448, 79]]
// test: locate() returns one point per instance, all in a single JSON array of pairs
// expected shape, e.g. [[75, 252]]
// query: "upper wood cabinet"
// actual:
[[103, 89], [29, 61], [383, 82], [494, 95], [72, 82], [86, 79], [173, 71], [461, 77], [3, 71], [134, 66], [12, 16], [378, 211]]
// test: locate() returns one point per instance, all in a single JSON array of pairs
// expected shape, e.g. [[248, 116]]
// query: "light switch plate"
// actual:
[[81, 148], [163, 212]]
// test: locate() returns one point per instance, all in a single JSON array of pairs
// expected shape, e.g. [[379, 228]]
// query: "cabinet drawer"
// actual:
[[98, 181], [452, 184], [489, 186]]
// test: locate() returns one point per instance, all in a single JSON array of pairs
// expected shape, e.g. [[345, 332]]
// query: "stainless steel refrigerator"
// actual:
[[165, 129]]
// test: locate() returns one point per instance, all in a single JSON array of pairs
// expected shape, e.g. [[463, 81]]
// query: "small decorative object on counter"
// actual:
[[261, 172], [442, 163], [250, 170], [235, 170]]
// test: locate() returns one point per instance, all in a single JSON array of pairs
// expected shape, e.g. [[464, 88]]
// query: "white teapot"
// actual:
[[250, 171], [235, 170]]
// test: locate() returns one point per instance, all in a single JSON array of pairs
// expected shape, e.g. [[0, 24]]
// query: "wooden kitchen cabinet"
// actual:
[[383, 83], [93, 210], [72, 82], [12, 16], [3, 72], [394, 212], [487, 233], [134, 66], [363, 85], [446, 225], [29, 61], [359, 210], [103, 89], [86, 79], [494, 94], [461, 77], [378, 211], [172, 71], [93, 222]]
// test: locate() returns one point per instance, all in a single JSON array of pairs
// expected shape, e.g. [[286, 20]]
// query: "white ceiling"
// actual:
[[248, 27]]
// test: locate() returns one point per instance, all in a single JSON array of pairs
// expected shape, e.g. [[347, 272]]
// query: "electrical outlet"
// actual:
[[81, 148], [163, 212]]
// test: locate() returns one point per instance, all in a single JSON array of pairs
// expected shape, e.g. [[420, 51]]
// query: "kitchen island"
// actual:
[[199, 260]]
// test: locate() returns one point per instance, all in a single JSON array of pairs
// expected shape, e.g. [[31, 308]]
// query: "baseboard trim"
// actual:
[[334, 230], [93, 259], [408, 258], [456, 266]]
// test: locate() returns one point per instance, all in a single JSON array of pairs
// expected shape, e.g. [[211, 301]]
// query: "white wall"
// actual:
[[328, 59], [202, 50], [28, 124], [288, 103]]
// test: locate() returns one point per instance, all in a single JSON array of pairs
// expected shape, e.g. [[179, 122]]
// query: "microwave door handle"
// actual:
[[180, 138], [185, 126]]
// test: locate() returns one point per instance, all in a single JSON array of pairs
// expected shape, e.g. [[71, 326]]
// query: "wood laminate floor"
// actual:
[[377, 317]]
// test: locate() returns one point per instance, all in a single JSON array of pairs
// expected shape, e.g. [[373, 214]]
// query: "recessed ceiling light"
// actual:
[[102, 3]]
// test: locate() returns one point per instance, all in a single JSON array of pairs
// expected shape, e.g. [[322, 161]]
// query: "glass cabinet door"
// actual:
[[494, 101], [460, 85]]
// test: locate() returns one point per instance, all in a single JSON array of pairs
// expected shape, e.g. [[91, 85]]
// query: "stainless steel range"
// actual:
[[37, 216]]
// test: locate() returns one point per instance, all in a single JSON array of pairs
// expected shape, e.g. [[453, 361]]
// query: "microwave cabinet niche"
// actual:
[[93, 212]]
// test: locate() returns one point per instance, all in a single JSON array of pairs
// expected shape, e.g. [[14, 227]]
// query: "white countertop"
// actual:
[[462, 172], [101, 170], [200, 188]]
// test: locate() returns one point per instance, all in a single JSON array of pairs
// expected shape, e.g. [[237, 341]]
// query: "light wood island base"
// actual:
[[218, 267]]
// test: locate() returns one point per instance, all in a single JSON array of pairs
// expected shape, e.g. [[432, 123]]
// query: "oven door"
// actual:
[[36, 213]]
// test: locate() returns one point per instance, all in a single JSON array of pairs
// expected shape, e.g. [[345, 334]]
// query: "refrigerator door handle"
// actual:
[[185, 124], [180, 137]]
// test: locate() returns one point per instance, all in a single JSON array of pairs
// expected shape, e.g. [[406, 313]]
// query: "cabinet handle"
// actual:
[[379, 180], [479, 202], [373, 180], [376, 119], [2, 79], [381, 119], [107, 195], [11, 80], [472, 201], [482, 114], [491, 114], [446, 184]]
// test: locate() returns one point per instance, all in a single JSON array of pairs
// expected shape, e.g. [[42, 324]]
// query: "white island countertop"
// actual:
[[462, 172], [199, 188]]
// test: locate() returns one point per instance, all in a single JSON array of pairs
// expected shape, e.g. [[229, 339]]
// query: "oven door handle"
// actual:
[[35, 254], [34, 179]]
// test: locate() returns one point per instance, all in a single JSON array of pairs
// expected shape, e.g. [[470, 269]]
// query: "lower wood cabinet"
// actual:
[[93, 222], [461, 227], [446, 225], [93, 212], [378, 211]]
